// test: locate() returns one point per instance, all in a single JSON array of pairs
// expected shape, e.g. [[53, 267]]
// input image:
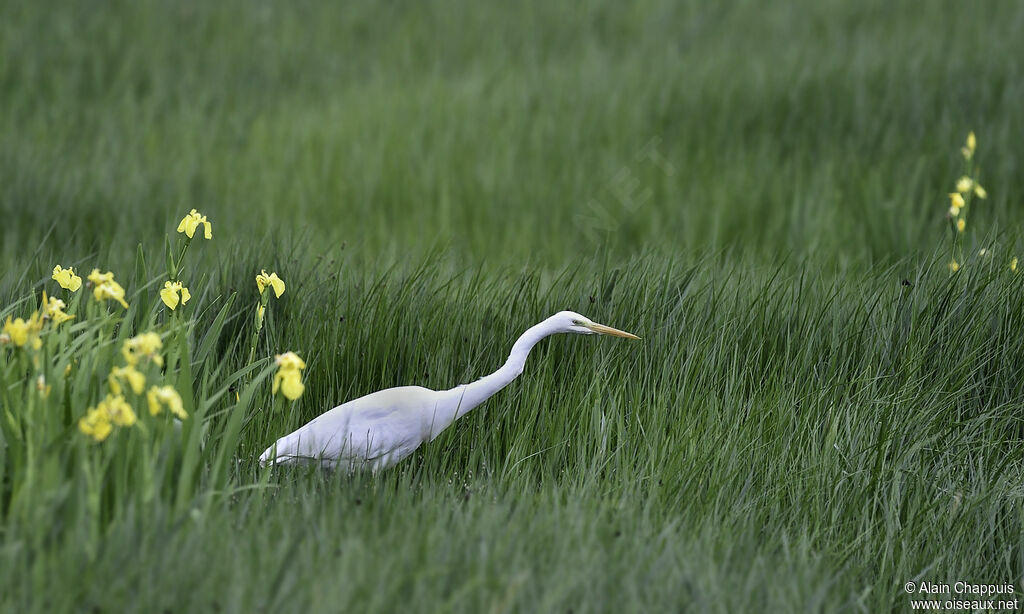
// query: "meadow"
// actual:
[[820, 410]]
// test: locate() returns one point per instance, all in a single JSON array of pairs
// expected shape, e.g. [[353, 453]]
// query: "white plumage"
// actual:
[[380, 429]]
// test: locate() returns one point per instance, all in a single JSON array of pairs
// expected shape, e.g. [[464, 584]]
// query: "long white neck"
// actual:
[[461, 399]]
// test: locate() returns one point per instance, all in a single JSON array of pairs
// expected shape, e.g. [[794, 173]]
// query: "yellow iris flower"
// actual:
[[288, 378], [96, 424], [53, 308], [961, 224], [980, 191], [968, 149], [99, 421], [160, 396], [15, 331], [171, 293], [105, 288], [146, 345], [263, 280], [136, 380], [192, 221], [97, 278], [120, 412], [289, 382], [956, 203], [66, 278], [22, 332], [290, 360], [954, 266], [964, 184], [1013, 264]]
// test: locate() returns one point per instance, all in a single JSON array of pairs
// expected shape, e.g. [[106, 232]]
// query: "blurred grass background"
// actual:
[[745, 184], [502, 132]]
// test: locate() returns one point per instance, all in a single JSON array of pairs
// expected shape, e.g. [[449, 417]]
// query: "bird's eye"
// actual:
[[577, 323]]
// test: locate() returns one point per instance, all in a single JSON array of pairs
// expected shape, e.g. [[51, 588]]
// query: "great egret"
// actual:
[[380, 429]]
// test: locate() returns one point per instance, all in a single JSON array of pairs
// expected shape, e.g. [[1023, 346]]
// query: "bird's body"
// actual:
[[380, 429], [376, 430]]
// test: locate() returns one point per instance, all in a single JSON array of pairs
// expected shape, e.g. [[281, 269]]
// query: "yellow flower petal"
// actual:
[[968, 149], [173, 293], [17, 331], [188, 224], [105, 288], [192, 221], [291, 385], [161, 396], [53, 309], [289, 360], [98, 278], [154, 403], [67, 278], [183, 224], [289, 382], [119, 411], [136, 380], [146, 345], [169, 296], [288, 378], [60, 317], [110, 291], [263, 280], [95, 424]]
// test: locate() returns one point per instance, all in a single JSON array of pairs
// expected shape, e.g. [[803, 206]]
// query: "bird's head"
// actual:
[[572, 322]]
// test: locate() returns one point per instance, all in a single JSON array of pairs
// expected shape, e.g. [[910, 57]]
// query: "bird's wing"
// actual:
[[389, 422]]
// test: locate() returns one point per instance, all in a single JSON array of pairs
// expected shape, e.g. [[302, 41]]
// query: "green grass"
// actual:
[[798, 430]]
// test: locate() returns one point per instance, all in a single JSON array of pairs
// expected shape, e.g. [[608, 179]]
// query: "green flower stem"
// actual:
[[264, 300], [176, 263]]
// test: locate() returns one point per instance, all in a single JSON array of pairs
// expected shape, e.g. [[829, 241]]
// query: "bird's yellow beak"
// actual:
[[601, 329]]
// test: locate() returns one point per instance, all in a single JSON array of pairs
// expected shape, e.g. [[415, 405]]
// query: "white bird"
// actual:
[[380, 429]]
